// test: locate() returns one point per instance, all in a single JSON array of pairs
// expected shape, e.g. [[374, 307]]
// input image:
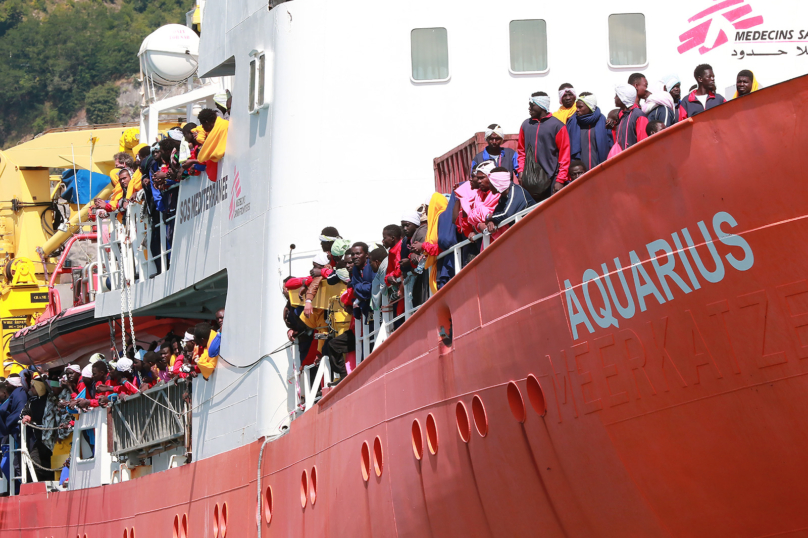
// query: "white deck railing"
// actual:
[[124, 248]]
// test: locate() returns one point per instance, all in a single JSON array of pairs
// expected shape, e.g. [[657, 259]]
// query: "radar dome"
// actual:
[[170, 54]]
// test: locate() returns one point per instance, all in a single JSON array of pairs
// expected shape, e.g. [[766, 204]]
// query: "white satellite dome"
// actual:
[[170, 54]]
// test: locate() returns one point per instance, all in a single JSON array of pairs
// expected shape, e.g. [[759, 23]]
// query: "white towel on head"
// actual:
[[561, 93], [658, 98], [321, 259], [74, 367], [626, 93], [124, 365], [16, 381], [497, 130], [485, 167], [87, 371], [412, 217], [542, 101]]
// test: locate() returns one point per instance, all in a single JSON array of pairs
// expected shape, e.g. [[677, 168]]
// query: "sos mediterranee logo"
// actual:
[[738, 21]]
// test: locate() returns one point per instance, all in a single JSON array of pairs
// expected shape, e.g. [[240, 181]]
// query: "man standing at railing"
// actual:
[[544, 150], [362, 283]]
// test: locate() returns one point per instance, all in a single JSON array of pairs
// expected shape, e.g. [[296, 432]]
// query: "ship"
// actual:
[[625, 360]]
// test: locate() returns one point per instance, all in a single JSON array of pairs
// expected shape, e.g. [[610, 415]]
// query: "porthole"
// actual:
[[313, 485], [536, 395], [378, 456], [463, 424], [304, 488], [268, 504], [365, 461], [417, 440], [431, 434], [516, 402], [480, 416]]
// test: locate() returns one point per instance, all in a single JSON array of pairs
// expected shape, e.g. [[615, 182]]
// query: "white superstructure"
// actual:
[[338, 111]]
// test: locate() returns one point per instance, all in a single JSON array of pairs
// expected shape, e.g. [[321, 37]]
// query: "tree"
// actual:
[[102, 104]]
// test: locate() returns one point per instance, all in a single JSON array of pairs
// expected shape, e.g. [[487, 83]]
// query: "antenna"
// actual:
[[291, 248]]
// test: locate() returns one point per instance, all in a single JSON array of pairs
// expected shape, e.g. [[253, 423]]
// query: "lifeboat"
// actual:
[[61, 336]]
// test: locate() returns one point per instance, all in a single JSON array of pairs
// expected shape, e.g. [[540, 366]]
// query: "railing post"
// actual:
[[408, 296], [12, 484], [366, 336], [358, 329], [162, 245], [296, 368], [457, 260], [486, 239]]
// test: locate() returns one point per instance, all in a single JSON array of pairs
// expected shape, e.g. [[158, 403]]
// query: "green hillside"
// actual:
[[52, 55]]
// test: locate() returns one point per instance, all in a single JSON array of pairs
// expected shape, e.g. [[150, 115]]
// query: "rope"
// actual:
[[46, 428], [31, 460]]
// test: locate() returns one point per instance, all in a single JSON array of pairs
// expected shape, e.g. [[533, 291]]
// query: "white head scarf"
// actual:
[[485, 167], [542, 101], [412, 217], [497, 130], [15, 381], [626, 93], [657, 97], [87, 371], [670, 81], [561, 93], [589, 100], [500, 180], [188, 338], [124, 365], [74, 367], [321, 258], [96, 357]]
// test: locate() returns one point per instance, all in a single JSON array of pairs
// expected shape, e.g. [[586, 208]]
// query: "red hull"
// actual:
[[685, 421]]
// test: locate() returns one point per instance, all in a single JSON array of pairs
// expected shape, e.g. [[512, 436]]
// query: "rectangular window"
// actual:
[[430, 54], [528, 46], [627, 39], [86, 444], [261, 72], [251, 101]]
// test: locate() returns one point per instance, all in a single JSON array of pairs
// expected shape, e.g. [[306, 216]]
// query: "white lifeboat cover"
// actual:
[[170, 54]]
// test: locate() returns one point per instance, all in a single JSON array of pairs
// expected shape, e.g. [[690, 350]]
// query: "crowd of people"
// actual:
[[49, 401], [152, 175], [342, 294]]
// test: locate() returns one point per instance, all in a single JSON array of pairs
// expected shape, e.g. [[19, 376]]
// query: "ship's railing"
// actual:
[[124, 252], [372, 333], [152, 421]]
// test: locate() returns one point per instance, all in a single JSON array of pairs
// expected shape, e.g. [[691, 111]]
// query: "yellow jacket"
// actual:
[[215, 142], [206, 363]]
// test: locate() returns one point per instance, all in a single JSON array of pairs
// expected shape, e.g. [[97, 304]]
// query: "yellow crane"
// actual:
[[27, 201]]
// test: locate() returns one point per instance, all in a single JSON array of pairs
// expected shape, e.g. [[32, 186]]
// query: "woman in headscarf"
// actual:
[[745, 83], [590, 141]]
